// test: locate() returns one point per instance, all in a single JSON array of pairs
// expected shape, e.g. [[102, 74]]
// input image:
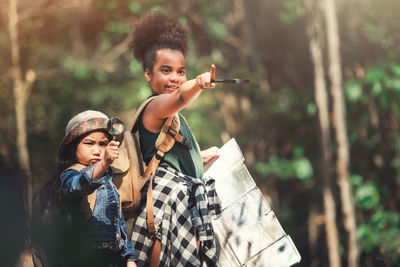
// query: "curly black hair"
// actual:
[[156, 31]]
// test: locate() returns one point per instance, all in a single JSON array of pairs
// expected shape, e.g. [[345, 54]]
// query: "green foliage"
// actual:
[[381, 231], [367, 196], [382, 83], [373, 190], [78, 69], [274, 118], [293, 10], [118, 27], [297, 167], [311, 108], [353, 91], [216, 29]]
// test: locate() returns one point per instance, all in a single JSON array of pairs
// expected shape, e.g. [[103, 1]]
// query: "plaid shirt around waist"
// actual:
[[171, 193]]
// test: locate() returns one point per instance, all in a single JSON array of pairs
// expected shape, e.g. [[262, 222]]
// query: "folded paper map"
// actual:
[[248, 232]]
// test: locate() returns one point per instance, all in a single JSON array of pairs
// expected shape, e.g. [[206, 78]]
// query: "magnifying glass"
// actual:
[[235, 81], [116, 127]]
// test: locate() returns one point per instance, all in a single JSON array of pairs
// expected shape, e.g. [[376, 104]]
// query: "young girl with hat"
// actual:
[[184, 202], [85, 155]]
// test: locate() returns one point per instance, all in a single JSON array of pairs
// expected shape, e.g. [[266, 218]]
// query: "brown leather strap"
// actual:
[[151, 172], [171, 127], [149, 205], [155, 254], [164, 143], [166, 139]]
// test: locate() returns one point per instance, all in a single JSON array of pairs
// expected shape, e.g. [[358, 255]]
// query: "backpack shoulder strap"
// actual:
[[134, 126], [165, 141]]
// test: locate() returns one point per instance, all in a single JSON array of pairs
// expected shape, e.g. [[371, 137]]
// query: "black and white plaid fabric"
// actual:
[[172, 215]]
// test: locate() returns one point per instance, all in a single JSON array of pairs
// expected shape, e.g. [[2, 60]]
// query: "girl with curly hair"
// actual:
[[184, 201]]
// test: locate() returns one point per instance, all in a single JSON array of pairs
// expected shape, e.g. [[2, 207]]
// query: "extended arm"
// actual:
[[166, 105]]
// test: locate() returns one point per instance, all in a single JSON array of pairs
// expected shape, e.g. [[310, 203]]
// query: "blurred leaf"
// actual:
[[261, 168], [78, 69], [383, 101], [375, 75], [370, 238], [135, 67], [111, 4], [381, 231], [395, 109], [105, 43], [144, 90], [376, 89], [395, 68], [134, 7], [275, 166], [353, 91], [218, 58], [374, 33], [356, 180], [367, 196], [101, 76], [393, 83], [293, 10], [298, 151], [118, 27], [311, 108], [303, 168], [216, 29]]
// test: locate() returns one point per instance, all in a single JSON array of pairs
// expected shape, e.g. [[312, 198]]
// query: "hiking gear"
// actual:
[[248, 229], [116, 128], [166, 139], [185, 159], [171, 193]]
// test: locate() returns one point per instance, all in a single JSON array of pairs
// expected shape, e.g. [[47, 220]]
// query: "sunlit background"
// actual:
[[73, 56]]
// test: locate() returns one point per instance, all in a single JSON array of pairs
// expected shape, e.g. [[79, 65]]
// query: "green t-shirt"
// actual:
[[179, 157]]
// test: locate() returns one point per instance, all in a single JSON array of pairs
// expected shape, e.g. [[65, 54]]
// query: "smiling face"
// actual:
[[169, 72], [91, 148]]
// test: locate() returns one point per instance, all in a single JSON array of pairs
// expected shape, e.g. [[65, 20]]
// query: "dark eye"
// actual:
[[181, 72], [103, 143], [165, 70]]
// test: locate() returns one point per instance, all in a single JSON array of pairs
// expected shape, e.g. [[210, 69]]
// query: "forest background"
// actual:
[[318, 124]]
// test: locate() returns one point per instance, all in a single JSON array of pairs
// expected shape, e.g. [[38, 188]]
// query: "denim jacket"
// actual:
[[106, 225]]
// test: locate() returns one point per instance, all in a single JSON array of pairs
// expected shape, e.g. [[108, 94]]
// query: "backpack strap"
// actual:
[[134, 125], [165, 141]]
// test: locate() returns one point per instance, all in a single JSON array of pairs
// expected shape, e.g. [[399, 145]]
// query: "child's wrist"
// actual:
[[104, 165]]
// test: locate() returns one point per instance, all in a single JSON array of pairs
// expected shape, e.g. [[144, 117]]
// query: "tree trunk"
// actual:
[[21, 91], [321, 98], [342, 162]]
